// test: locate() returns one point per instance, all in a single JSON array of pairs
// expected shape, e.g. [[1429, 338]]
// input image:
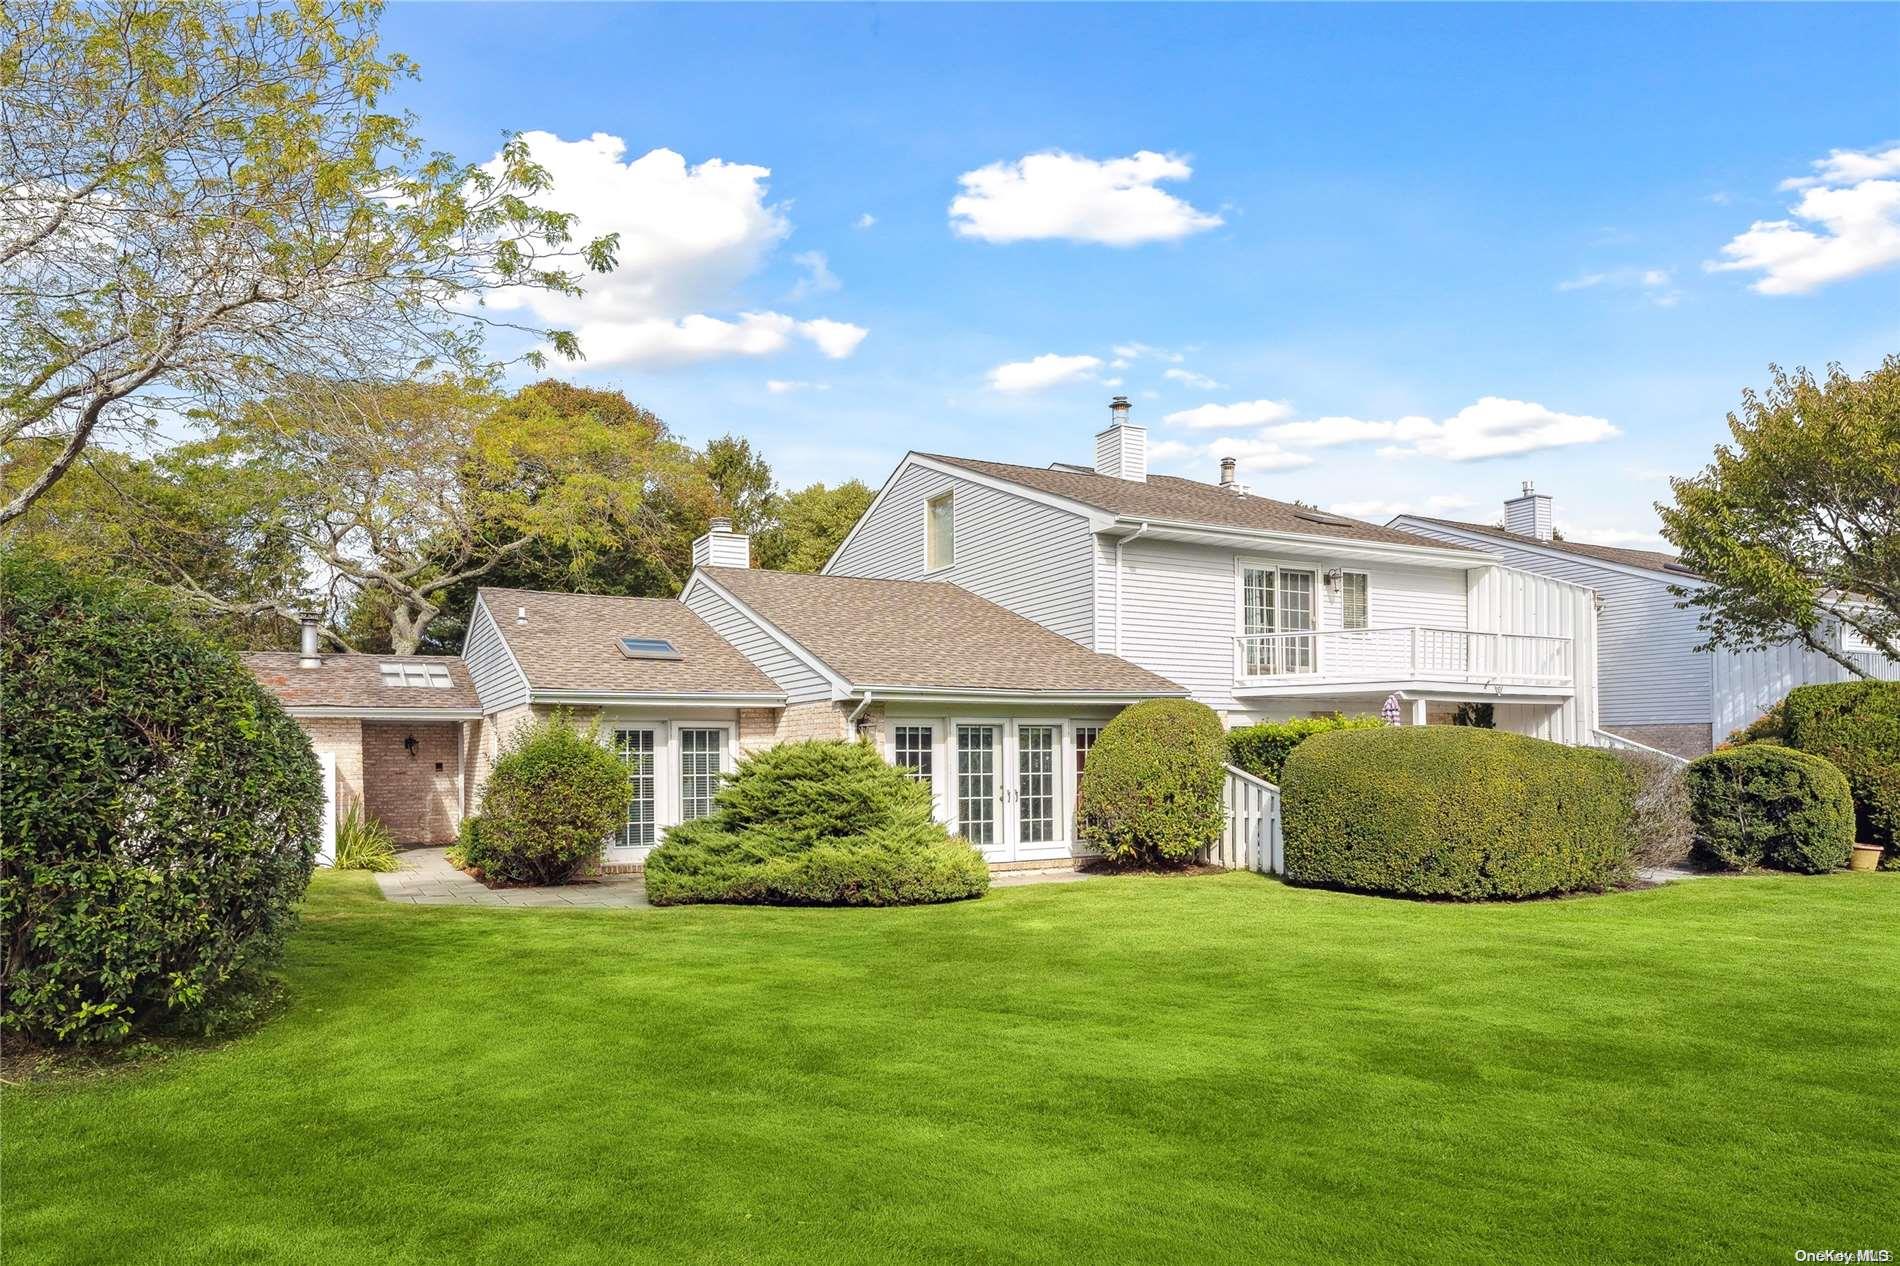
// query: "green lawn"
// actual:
[[1129, 1069]]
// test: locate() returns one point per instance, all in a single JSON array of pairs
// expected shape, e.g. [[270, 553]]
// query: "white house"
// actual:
[[1262, 609], [1655, 685]]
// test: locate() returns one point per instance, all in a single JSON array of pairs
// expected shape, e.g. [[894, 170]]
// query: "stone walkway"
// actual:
[[427, 879]]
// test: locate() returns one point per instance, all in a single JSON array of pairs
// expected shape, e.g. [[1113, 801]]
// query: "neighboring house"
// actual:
[[1655, 685], [1262, 609], [404, 731], [992, 711]]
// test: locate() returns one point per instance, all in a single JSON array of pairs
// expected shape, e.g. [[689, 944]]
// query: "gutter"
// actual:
[[851, 722]]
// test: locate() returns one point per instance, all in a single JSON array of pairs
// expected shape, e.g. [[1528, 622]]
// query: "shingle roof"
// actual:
[[356, 681], [928, 635], [1186, 501], [1654, 560], [571, 641]]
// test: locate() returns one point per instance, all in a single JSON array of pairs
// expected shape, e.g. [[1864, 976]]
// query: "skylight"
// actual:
[[1320, 516], [648, 648], [427, 675]]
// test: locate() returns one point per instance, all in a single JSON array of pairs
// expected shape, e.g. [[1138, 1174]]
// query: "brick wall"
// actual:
[[758, 729], [343, 737], [823, 720], [418, 795]]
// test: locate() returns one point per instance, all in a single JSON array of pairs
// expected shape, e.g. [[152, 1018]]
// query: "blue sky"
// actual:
[[1395, 240]]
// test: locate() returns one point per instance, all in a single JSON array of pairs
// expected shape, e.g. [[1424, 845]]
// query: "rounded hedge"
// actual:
[[1262, 749], [551, 801], [159, 815], [1766, 805], [820, 823], [1856, 726], [1452, 811], [1151, 791]]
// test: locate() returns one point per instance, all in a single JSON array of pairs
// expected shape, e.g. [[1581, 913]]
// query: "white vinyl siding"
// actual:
[[1030, 558], [800, 681], [1652, 673], [499, 684], [1505, 600], [940, 531]]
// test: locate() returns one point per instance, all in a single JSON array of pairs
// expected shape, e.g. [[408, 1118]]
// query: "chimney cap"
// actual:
[[720, 523], [1227, 465], [1529, 488], [1119, 406]]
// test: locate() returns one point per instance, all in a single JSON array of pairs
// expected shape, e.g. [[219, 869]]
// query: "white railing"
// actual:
[[1412, 652], [1618, 743], [1251, 839]]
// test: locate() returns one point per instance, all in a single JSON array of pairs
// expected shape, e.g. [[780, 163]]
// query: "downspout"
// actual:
[[851, 722], [1132, 536]]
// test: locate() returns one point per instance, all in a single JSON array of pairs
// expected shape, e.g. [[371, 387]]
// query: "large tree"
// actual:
[[808, 525], [1796, 525], [200, 203]]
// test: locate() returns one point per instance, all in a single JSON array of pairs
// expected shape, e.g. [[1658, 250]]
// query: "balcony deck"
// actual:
[[1398, 657]]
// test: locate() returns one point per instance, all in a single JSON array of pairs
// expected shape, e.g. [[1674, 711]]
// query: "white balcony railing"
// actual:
[[1403, 653]]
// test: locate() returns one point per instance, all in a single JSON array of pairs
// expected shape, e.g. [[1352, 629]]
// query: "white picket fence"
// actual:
[[1616, 741], [1251, 840]]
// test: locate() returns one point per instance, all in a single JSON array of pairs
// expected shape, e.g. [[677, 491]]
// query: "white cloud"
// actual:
[[785, 386], [1655, 283], [834, 339], [1209, 417], [818, 278], [1640, 538], [1850, 224], [1044, 371], [864, 221], [690, 235], [1380, 511], [1142, 351], [1496, 427], [1249, 454], [1077, 199], [1188, 378], [1847, 167]]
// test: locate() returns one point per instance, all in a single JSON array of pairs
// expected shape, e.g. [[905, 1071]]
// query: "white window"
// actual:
[[939, 531], [702, 756], [435, 676], [1355, 596], [1037, 750], [912, 750], [1274, 603], [1085, 736]]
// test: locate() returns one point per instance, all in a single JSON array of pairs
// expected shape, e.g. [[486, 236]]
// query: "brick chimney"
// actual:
[[722, 547], [1529, 514], [1121, 452]]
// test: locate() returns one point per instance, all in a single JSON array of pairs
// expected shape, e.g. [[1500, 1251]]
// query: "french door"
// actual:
[[639, 748], [1008, 797], [1275, 602]]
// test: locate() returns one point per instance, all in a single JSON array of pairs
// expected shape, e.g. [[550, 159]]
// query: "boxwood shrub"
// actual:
[[1151, 792], [1856, 726], [1262, 749], [1444, 811], [817, 823], [159, 815], [551, 801], [1767, 805]]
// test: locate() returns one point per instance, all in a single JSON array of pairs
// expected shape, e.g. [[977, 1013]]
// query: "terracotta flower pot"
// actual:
[[1866, 857]]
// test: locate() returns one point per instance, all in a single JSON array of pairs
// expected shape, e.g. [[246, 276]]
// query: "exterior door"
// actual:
[[1038, 805], [638, 746], [979, 788], [1009, 788]]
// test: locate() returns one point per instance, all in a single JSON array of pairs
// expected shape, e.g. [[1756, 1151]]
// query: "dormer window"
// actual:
[[434, 676], [939, 531], [648, 648]]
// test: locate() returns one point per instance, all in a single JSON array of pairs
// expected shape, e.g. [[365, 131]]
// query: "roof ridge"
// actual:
[[569, 593]]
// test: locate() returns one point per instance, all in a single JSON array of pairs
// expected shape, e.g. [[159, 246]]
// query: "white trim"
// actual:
[[386, 714], [1544, 549], [1342, 547], [840, 688], [1052, 698], [1344, 609], [1405, 688], [607, 698]]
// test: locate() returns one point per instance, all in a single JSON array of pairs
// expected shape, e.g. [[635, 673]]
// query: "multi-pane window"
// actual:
[[1296, 615], [702, 754], [939, 531], [1274, 603], [1355, 599], [912, 750], [1257, 619], [1085, 736], [1036, 748], [976, 783], [635, 747], [432, 675]]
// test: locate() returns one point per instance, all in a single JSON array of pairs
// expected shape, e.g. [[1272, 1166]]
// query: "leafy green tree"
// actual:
[[742, 481], [810, 524], [1797, 524], [201, 203]]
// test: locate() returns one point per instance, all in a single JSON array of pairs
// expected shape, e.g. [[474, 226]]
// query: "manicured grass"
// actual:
[[1219, 1068]]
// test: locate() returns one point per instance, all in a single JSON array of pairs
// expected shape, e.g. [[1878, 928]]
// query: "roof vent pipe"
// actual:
[[1227, 473], [307, 654], [521, 615]]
